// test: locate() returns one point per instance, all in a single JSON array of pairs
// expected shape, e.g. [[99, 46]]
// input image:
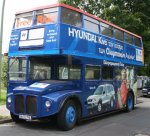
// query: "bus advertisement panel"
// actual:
[[83, 43]]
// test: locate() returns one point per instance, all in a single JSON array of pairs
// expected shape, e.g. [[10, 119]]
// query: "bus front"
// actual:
[[33, 38]]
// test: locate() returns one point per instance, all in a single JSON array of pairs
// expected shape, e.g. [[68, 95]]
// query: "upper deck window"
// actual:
[[118, 34], [128, 38], [137, 41], [45, 16], [71, 17], [91, 24], [23, 20], [106, 29]]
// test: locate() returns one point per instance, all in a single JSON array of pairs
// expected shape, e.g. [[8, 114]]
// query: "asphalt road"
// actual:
[[135, 123]]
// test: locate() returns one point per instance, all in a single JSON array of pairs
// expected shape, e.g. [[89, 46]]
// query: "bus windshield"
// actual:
[[17, 69], [39, 69]]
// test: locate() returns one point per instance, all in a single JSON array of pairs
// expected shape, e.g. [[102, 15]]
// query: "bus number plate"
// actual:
[[26, 117]]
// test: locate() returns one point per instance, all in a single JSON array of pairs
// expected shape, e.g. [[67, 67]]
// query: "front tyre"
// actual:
[[67, 117], [16, 119], [130, 102]]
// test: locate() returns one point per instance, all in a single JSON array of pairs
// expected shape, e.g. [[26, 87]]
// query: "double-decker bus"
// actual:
[[69, 64]]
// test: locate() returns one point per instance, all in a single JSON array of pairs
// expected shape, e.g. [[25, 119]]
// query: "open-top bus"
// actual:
[[67, 63]]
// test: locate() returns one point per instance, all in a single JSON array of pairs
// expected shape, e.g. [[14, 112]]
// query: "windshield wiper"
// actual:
[[13, 62]]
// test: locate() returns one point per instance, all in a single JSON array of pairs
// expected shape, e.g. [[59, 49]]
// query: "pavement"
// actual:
[[5, 114], [4, 111]]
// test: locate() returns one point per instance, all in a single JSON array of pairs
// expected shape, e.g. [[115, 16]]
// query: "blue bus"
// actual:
[[71, 65]]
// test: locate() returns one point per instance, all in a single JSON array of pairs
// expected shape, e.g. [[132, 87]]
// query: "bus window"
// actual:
[[118, 73], [137, 41], [39, 70], [106, 29], [23, 20], [118, 34], [63, 72], [72, 72], [92, 72], [17, 69], [91, 24], [46, 16], [107, 73], [75, 73], [128, 38], [71, 17]]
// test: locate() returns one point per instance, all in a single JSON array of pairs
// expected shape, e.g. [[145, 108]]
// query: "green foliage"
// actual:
[[132, 15], [3, 98], [4, 72]]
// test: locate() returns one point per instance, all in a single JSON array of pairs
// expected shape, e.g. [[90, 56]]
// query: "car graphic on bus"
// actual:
[[103, 96]]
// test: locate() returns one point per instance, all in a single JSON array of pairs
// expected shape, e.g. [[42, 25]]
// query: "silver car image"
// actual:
[[103, 96]]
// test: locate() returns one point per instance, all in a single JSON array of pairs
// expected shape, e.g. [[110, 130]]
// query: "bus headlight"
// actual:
[[48, 104], [9, 99]]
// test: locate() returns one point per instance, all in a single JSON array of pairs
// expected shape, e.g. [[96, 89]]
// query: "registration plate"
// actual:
[[26, 117]]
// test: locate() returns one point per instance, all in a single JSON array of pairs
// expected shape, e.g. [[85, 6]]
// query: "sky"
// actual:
[[13, 6]]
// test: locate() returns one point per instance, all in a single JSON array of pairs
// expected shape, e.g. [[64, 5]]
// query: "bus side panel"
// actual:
[[105, 96]]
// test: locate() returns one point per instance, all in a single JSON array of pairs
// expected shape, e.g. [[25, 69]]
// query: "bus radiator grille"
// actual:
[[19, 104], [31, 105], [26, 105]]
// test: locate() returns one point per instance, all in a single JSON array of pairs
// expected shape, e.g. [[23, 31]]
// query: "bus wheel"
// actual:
[[67, 117], [16, 118], [130, 102]]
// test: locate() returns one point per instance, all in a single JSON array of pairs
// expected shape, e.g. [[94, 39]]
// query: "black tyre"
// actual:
[[67, 117], [16, 118], [130, 102], [99, 106]]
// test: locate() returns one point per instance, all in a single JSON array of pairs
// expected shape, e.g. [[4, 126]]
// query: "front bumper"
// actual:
[[24, 105]]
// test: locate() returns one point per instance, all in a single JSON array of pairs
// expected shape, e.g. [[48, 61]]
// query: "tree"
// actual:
[[4, 71], [87, 5], [132, 15]]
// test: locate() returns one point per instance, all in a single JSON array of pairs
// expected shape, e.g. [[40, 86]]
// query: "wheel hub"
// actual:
[[70, 115]]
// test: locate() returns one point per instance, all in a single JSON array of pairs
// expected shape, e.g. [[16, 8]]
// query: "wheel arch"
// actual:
[[77, 102]]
